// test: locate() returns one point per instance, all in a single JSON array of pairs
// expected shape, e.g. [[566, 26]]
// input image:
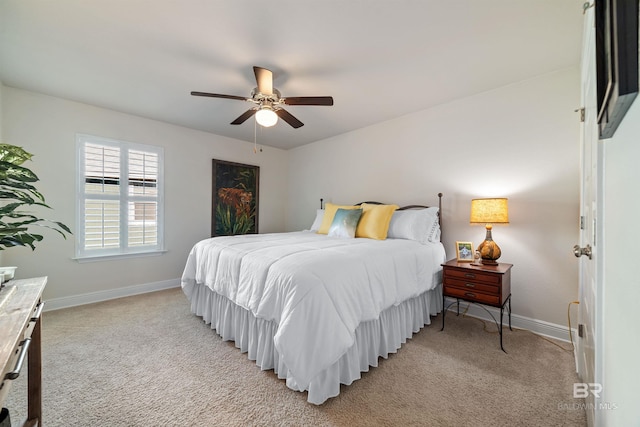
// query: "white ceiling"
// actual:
[[379, 59]]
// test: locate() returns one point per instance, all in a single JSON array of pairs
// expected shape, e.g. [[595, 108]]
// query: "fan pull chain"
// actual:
[[255, 139]]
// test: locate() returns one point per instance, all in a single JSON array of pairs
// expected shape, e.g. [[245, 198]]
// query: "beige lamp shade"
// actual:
[[489, 211]]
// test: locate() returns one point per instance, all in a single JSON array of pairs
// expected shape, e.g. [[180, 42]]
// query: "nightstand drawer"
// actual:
[[470, 286], [472, 275], [472, 296]]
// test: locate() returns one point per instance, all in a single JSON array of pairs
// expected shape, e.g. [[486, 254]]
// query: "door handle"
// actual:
[[578, 251]]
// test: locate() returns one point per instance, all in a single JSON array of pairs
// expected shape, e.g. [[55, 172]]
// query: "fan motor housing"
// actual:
[[260, 98]]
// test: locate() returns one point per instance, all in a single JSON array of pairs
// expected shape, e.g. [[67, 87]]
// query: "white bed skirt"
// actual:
[[374, 339]]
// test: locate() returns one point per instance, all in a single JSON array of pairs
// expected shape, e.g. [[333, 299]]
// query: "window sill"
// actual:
[[113, 257]]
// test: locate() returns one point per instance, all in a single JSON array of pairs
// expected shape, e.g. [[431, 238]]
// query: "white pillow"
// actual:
[[318, 221], [420, 225]]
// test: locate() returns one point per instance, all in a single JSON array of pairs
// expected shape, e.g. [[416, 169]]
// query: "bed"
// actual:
[[318, 308]]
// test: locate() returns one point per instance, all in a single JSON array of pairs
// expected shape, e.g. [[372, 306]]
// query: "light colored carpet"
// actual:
[[147, 361]]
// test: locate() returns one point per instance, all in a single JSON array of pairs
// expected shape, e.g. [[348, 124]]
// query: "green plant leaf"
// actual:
[[9, 184], [19, 173], [16, 194], [20, 195], [21, 239], [14, 154]]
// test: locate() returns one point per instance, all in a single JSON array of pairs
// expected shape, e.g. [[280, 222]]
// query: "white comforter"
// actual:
[[316, 288]]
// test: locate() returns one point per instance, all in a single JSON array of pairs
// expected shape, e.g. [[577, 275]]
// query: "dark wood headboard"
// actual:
[[405, 208]]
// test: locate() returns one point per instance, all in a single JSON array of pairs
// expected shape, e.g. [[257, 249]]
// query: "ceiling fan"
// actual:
[[268, 101]]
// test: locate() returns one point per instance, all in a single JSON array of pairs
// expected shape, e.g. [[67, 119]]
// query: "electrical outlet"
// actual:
[[581, 330]]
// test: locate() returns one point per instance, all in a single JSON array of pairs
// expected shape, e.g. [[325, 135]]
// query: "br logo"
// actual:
[[582, 390]]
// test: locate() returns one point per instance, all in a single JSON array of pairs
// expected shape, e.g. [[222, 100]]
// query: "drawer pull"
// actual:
[[23, 354], [470, 275], [470, 285], [469, 294], [39, 309]]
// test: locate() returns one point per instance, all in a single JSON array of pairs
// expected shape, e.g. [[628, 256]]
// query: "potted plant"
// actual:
[[17, 194]]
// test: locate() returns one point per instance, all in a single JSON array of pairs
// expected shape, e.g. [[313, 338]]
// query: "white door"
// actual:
[[589, 343]]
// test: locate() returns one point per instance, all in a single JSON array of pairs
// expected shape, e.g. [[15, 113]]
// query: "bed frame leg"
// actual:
[[440, 213]]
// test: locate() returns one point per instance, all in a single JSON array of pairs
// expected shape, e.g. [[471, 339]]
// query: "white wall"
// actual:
[[47, 126], [520, 141], [621, 280]]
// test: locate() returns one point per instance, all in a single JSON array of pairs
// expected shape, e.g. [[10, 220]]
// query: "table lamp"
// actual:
[[489, 211]]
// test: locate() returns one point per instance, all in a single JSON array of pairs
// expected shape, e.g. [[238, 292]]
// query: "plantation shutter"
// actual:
[[102, 188], [143, 191], [120, 199]]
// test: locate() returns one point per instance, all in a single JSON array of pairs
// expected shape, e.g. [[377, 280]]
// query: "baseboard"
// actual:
[[91, 297], [539, 327]]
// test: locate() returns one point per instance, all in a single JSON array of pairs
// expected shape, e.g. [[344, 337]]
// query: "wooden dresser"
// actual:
[[478, 284], [20, 309]]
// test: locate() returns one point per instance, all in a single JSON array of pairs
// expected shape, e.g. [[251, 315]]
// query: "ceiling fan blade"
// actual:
[[289, 118], [264, 78], [217, 95], [309, 100], [244, 116]]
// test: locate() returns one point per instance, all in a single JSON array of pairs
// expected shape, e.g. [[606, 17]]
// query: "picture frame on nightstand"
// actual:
[[464, 251]]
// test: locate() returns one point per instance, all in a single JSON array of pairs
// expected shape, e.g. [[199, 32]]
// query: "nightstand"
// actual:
[[478, 284]]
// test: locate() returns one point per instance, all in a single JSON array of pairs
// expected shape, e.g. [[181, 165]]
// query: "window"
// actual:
[[120, 204]]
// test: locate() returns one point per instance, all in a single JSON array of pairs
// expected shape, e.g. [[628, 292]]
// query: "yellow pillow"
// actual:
[[329, 212], [374, 222]]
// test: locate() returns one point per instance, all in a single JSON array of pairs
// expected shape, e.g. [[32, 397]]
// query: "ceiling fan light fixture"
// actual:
[[266, 117], [267, 102]]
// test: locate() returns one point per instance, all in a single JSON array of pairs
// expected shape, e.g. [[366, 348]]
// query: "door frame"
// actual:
[[592, 215]]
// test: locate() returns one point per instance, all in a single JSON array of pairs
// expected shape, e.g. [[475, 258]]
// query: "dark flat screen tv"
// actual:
[[616, 23]]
